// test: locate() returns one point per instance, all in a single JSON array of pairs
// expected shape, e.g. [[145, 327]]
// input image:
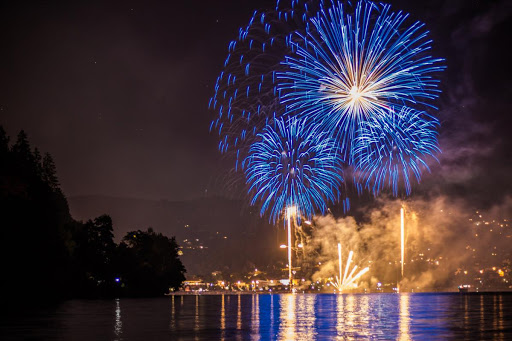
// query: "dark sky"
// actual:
[[117, 92]]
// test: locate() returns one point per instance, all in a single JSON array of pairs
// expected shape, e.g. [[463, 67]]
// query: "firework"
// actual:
[[246, 96], [358, 77], [350, 68], [347, 280], [290, 212], [293, 165], [244, 90], [391, 150], [402, 240]]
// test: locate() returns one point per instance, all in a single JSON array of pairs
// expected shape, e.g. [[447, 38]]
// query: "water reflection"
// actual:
[[340, 316], [495, 313], [272, 314], [172, 325], [350, 315], [287, 317], [196, 317], [255, 319], [466, 313], [482, 315], [353, 318], [222, 318], [306, 315], [239, 318], [273, 317], [365, 310], [239, 313], [118, 326], [500, 317], [405, 319]]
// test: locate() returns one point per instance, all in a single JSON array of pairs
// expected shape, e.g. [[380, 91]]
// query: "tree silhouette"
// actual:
[[45, 255], [94, 258], [151, 263], [4, 141], [35, 226], [49, 172], [21, 148], [38, 163]]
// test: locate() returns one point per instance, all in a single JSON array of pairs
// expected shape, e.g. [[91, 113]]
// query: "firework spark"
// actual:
[[402, 240], [292, 165], [348, 280], [246, 96], [359, 77], [389, 151], [352, 68]]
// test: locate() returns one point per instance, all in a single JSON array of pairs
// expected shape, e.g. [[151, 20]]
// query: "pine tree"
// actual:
[[38, 162], [49, 172], [4, 141], [22, 147]]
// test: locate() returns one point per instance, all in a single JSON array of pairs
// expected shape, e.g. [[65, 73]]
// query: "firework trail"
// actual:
[[291, 164], [347, 280]]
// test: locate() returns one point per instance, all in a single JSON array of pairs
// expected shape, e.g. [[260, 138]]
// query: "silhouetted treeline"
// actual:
[[46, 255]]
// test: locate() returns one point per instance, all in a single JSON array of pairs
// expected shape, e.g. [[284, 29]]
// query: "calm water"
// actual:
[[273, 317]]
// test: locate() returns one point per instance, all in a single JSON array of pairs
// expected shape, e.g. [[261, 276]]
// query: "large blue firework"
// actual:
[[333, 87], [355, 67], [291, 164], [390, 151]]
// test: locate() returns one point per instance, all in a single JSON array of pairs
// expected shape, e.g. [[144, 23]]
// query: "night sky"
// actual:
[[117, 92]]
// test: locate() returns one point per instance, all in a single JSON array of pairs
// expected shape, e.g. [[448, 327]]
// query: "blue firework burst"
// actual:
[[246, 98], [291, 164], [349, 68], [331, 87], [391, 151]]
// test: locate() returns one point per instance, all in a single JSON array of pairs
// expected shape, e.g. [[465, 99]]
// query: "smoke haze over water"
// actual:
[[444, 238]]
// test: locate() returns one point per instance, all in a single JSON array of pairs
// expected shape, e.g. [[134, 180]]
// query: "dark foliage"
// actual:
[[45, 255], [94, 254], [149, 264], [36, 243]]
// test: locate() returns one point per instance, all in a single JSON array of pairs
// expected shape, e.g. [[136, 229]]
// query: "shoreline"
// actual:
[[219, 293]]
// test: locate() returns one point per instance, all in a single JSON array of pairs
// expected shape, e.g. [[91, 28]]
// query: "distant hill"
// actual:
[[215, 233]]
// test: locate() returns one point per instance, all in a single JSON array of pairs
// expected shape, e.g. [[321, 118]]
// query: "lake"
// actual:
[[421, 316]]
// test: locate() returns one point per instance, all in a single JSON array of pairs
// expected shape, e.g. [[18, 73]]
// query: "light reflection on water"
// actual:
[[404, 318], [118, 326], [223, 318], [239, 314], [255, 321], [196, 316], [306, 308], [273, 317]]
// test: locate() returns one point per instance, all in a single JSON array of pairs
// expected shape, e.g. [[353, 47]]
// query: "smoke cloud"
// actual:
[[444, 238]]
